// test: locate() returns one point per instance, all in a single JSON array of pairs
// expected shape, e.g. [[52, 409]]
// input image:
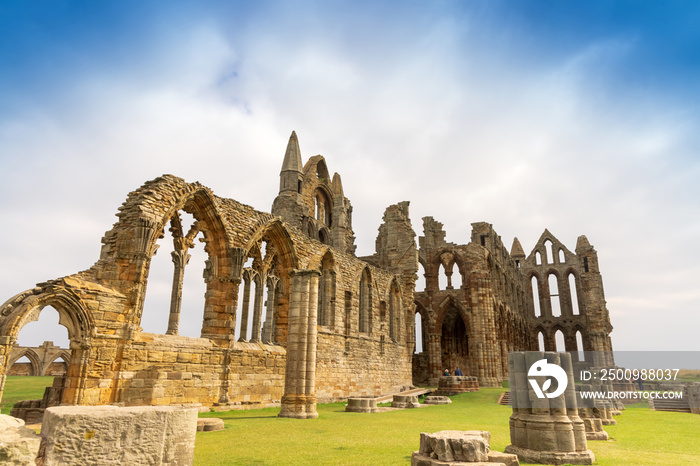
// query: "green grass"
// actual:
[[19, 388], [259, 437]]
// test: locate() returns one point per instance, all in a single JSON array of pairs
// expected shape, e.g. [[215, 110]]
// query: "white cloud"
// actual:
[[421, 115]]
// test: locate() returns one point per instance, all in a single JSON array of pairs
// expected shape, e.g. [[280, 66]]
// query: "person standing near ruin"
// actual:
[[446, 373], [458, 372]]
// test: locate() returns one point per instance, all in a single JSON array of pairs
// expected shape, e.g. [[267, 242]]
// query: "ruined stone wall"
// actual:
[[113, 361]]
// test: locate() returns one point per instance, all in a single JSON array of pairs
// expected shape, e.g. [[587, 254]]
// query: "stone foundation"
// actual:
[[32, 411], [455, 384], [362, 405], [405, 401], [18, 445], [437, 400], [454, 447]]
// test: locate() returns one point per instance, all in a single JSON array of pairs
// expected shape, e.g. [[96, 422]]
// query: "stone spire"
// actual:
[[337, 186], [516, 251], [292, 169]]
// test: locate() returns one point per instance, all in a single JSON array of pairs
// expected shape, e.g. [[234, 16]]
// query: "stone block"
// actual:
[[209, 424], [503, 458], [18, 445], [405, 401], [437, 400], [455, 445], [109, 435], [364, 404]]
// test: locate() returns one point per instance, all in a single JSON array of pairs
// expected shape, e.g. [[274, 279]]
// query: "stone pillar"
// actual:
[[247, 278], [434, 359], [545, 430], [180, 260], [257, 307], [268, 326], [299, 400], [6, 344]]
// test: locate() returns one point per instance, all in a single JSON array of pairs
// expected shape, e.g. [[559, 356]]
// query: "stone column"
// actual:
[[247, 278], [545, 430], [257, 307], [434, 358], [268, 326], [180, 259], [299, 399]]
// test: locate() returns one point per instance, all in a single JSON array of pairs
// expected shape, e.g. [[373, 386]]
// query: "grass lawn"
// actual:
[[259, 437], [19, 388]]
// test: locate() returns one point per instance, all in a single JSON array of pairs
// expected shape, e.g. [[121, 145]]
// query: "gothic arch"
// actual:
[[34, 360]]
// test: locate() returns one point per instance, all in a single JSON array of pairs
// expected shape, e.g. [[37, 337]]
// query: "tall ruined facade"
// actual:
[[317, 322]]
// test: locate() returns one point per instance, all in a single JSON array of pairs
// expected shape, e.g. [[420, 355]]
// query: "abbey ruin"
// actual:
[[318, 323]]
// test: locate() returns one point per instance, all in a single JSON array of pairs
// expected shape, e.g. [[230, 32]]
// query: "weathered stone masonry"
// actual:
[[332, 326]]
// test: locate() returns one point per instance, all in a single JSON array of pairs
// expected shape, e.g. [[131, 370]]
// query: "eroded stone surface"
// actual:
[[18, 445], [437, 400], [109, 435]]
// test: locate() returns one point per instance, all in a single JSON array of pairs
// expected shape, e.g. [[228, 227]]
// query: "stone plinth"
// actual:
[[436, 400], [405, 401], [456, 384], [18, 445], [109, 435], [590, 415], [362, 405], [546, 428], [454, 447], [209, 424]]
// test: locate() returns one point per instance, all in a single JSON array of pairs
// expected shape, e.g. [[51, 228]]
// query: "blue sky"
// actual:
[[579, 117]]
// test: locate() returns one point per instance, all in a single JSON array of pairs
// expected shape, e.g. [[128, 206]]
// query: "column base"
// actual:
[[551, 457]]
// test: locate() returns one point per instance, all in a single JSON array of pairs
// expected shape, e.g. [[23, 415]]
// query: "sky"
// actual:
[[578, 117]]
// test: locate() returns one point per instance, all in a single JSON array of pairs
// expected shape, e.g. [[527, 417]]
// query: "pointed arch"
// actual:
[[327, 290]]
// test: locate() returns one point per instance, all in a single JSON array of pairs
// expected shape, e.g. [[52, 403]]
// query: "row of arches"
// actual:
[[548, 256], [562, 339], [56, 365], [556, 296]]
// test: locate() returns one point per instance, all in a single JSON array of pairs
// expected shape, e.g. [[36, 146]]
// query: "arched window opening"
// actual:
[[574, 294], [456, 277], [420, 283], [454, 341], [559, 341], [57, 368], [394, 312], [549, 256], [554, 295], [536, 296], [365, 318], [442, 278], [175, 280], [243, 305], [579, 346], [538, 258], [562, 257], [323, 236], [326, 292], [23, 366], [45, 329], [540, 341], [418, 348], [323, 207]]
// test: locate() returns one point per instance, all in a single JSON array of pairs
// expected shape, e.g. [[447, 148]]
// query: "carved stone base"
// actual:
[[551, 457], [362, 405]]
